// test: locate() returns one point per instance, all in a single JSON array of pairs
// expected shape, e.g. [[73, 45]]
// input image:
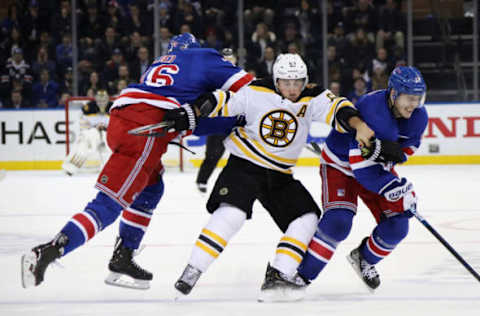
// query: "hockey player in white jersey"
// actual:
[[278, 112], [89, 151]]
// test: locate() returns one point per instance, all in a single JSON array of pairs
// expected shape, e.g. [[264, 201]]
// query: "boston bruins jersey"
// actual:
[[277, 128]]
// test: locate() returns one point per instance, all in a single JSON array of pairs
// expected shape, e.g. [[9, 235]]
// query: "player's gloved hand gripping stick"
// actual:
[[181, 119]]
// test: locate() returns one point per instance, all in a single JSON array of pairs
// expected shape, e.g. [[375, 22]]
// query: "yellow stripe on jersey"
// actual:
[[261, 89], [344, 103], [221, 102], [215, 237], [332, 110], [297, 243], [305, 99], [263, 150], [254, 156], [205, 248], [290, 253]]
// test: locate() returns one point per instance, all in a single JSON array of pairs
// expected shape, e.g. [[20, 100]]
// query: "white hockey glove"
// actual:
[[400, 193]]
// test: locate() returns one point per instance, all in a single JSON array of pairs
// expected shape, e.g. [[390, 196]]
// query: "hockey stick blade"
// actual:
[[432, 230], [150, 130]]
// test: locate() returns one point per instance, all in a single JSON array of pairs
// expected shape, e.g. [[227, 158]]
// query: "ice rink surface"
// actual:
[[419, 278]]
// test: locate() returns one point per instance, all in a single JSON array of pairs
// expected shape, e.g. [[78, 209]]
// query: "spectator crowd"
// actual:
[[366, 40]]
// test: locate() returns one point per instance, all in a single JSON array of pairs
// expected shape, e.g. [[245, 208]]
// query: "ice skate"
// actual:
[[278, 287], [365, 271], [35, 263], [188, 279], [124, 271]]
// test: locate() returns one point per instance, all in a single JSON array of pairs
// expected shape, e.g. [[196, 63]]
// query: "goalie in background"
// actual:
[[90, 149]]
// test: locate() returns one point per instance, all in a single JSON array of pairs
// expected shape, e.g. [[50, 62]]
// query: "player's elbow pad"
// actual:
[[205, 104], [344, 114]]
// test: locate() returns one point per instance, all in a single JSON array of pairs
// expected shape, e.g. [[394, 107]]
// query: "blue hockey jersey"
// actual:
[[181, 77], [341, 151]]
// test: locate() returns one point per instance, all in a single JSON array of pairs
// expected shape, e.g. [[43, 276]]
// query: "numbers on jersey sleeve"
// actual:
[[160, 76]]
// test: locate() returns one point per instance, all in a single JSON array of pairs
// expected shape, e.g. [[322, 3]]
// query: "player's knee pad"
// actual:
[[393, 229], [336, 224], [149, 198], [104, 210]]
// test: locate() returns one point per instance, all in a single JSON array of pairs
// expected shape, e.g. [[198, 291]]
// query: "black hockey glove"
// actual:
[[181, 119], [383, 151], [205, 104], [241, 121]]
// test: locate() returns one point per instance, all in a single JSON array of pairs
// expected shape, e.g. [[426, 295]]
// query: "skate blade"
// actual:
[[281, 295], [29, 260], [356, 268], [122, 280]]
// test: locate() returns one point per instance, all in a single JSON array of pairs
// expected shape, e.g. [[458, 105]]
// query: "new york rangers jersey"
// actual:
[[341, 151], [181, 77], [276, 128]]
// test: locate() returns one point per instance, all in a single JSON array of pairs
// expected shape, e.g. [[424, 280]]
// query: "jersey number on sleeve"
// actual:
[[160, 75]]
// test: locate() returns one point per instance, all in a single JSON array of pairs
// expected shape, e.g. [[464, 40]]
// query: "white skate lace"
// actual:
[[368, 270]]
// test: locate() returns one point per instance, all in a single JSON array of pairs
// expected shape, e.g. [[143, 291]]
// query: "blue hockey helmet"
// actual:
[[183, 41], [407, 80]]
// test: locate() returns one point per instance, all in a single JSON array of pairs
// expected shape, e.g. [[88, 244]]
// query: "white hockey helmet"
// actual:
[[289, 66]]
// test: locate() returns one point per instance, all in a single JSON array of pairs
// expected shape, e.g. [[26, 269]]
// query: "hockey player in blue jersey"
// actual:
[[398, 118], [130, 183]]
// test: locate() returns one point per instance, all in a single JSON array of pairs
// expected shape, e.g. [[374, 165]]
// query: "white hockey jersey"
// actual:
[[276, 129]]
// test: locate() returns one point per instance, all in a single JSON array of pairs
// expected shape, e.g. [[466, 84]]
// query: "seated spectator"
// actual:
[[10, 42], [140, 64], [359, 89], [106, 46], [261, 38], [45, 91], [47, 42], [362, 16], [391, 24], [66, 85], [43, 62], [110, 71], [114, 18], [380, 61], [335, 87], [336, 65], [93, 84], [359, 50], [290, 35], [123, 74], [338, 39], [257, 12], [121, 84], [16, 76], [136, 21], [132, 49], [379, 77], [16, 101], [165, 36], [187, 15], [61, 21], [64, 51], [212, 40], [264, 68]]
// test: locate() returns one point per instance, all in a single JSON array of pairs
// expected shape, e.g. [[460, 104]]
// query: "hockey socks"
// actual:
[[385, 237], [83, 226], [224, 223], [333, 228], [293, 245]]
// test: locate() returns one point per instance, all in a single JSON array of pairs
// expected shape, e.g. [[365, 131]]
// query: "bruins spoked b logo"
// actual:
[[278, 128]]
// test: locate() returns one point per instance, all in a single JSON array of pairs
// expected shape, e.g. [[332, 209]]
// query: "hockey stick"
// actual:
[[314, 148], [445, 244], [149, 130]]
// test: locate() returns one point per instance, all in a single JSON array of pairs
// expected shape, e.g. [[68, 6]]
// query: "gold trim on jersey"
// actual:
[[262, 89], [256, 157], [263, 150], [305, 99], [222, 95]]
